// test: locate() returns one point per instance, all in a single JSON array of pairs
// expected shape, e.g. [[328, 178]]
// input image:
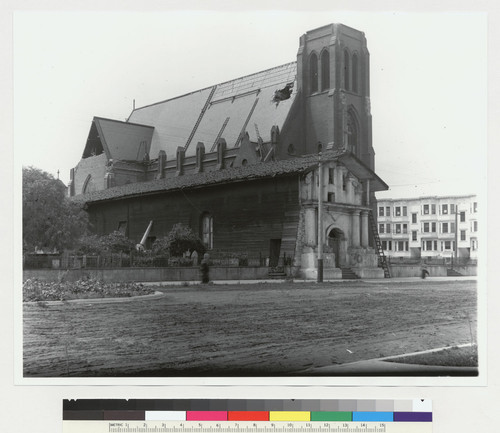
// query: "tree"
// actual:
[[50, 220]]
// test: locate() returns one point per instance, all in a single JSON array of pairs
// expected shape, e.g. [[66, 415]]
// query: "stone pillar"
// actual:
[[355, 228], [310, 226], [364, 228]]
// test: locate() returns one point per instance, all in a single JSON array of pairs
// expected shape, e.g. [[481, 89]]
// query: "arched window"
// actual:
[[355, 73], [207, 231], [352, 134], [313, 72], [346, 70], [325, 70]]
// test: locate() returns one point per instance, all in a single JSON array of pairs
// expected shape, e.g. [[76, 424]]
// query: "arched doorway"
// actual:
[[335, 239]]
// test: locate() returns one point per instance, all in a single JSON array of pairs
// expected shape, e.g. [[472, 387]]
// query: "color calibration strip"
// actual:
[[250, 410]]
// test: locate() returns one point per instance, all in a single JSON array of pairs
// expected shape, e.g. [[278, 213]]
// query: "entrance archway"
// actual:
[[335, 239]]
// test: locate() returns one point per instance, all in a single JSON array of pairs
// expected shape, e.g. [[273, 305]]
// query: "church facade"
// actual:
[[239, 162]]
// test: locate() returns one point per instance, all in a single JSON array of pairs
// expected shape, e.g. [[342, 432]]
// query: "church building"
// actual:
[[240, 163]]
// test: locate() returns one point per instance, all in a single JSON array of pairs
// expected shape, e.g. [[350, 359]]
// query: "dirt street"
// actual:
[[262, 329]]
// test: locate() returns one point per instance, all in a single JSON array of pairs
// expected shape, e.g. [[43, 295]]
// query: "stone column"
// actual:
[[364, 228], [355, 228], [310, 226]]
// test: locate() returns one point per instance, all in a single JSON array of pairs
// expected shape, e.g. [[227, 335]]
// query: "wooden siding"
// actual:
[[246, 216]]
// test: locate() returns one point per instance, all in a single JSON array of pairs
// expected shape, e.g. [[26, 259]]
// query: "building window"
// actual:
[[207, 231], [414, 218], [387, 211], [384, 245], [346, 70], [355, 73], [428, 245], [344, 182], [447, 245], [352, 133], [325, 70], [381, 228], [444, 228], [331, 197], [426, 227], [414, 235], [398, 228], [433, 227], [388, 228], [381, 211], [122, 227], [405, 211], [313, 72], [462, 235], [475, 207], [400, 246], [426, 209], [474, 225], [473, 243], [397, 211], [331, 175], [452, 208], [462, 217], [444, 209], [433, 209], [452, 227], [405, 228]]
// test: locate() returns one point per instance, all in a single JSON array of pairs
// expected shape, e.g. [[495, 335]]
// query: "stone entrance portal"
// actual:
[[335, 240]]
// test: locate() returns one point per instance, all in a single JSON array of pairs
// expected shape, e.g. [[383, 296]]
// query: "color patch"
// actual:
[[372, 416], [248, 416], [331, 416], [165, 415], [413, 416], [289, 416], [206, 415]]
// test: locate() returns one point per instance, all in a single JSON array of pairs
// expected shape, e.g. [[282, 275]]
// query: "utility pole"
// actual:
[[320, 218]]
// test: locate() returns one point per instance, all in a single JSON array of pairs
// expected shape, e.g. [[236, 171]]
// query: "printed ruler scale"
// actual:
[[147, 416]]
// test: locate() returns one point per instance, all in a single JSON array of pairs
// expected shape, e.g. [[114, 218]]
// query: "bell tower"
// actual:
[[333, 78]]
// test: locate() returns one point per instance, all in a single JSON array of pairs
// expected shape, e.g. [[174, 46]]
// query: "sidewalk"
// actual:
[[297, 280]]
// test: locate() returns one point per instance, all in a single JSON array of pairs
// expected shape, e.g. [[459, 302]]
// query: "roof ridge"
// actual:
[[209, 87]]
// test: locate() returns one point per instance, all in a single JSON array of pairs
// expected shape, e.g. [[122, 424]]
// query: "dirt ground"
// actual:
[[241, 330]]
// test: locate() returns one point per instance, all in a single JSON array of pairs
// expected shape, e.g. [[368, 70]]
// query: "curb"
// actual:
[[154, 295]]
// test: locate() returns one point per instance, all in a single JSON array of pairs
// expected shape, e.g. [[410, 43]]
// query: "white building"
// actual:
[[427, 227]]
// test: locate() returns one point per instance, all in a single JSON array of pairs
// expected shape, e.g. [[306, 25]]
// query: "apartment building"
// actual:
[[436, 226]]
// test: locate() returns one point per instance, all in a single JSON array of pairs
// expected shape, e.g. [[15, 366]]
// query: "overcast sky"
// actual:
[[428, 81]]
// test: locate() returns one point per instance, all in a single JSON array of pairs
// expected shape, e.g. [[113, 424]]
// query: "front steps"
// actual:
[[348, 274]]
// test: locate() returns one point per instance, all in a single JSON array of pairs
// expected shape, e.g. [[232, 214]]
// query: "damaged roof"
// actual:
[[224, 110]]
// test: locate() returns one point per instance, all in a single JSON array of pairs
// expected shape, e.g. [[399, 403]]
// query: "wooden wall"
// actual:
[[246, 215]]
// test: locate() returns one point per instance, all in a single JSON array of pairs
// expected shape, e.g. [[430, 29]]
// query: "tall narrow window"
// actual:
[[313, 72], [207, 230], [352, 133], [346, 70], [325, 70], [355, 73]]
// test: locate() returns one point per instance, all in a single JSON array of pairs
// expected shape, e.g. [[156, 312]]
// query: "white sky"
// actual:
[[428, 81]]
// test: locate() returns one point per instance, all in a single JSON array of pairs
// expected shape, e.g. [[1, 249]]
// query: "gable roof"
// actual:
[[255, 171], [226, 110], [122, 140]]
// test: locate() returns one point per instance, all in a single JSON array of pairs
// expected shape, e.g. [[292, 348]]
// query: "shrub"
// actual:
[[181, 239]]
